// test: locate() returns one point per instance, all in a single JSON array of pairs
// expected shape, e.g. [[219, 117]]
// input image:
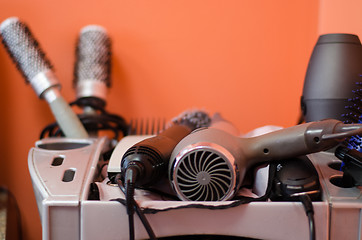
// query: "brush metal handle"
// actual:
[[68, 121]]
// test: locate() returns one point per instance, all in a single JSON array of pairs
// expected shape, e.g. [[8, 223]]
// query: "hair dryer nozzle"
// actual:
[[204, 166], [344, 130]]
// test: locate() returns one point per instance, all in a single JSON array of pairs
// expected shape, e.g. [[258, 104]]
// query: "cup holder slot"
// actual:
[[341, 181], [68, 175], [63, 145], [57, 161]]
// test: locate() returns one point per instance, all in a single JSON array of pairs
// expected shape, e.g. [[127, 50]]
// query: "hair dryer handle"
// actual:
[[298, 140]]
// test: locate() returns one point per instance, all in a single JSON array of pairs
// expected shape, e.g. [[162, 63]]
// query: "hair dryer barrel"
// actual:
[[206, 166]]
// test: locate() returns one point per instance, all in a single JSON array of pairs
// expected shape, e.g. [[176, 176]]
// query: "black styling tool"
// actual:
[[295, 177], [145, 163], [352, 167]]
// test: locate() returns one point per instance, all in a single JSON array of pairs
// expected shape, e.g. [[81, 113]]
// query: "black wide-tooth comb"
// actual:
[[146, 126]]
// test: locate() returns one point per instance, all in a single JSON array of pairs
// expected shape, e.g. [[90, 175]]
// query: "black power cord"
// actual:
[[309, 211], [131, 176], [132, 205]]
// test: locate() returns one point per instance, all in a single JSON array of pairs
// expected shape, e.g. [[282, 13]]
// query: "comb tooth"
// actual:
[[136, 127], [130, 127], [129, 132], [153, 126], [164, 124], [150, 126], [141, 127], [157, 126], [147, 129], [146, 126]]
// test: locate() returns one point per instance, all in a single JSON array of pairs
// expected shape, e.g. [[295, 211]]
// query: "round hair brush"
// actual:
[[355, 116], [92, 70], [35, 67]]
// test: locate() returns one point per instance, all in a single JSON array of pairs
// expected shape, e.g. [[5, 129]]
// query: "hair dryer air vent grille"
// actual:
[[203, 175]]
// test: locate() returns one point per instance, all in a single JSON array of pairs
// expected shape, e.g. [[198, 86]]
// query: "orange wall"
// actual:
[[340, 17], [245, 59]]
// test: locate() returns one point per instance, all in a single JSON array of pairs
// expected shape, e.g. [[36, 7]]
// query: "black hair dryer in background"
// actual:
[[333, 70]]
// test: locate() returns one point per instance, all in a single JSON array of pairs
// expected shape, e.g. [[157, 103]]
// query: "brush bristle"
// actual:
[[354, 115], [23, 48], [93, 56], [193, 118]]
